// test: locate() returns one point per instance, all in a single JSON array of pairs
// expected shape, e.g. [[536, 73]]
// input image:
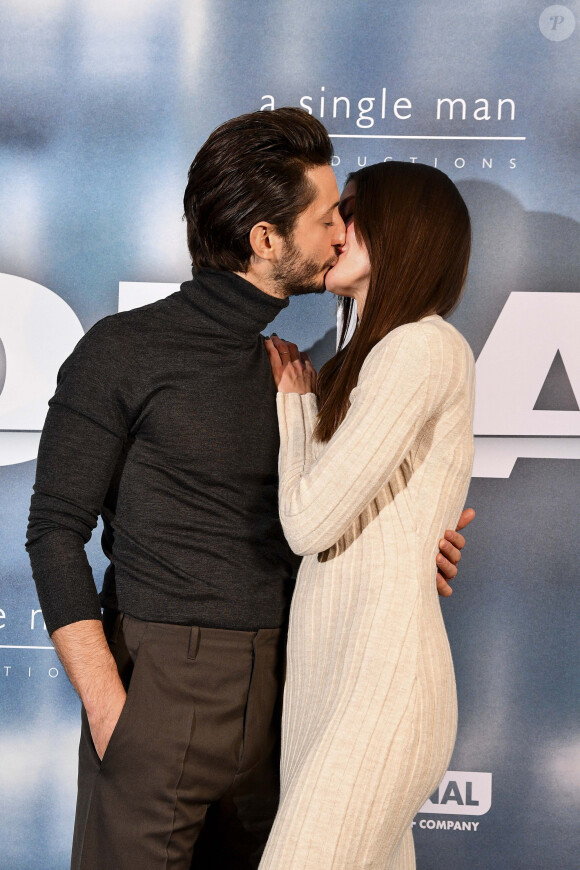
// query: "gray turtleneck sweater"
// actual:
[[164, 422]]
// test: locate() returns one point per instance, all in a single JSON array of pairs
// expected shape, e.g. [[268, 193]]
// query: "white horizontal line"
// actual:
[[456, 138], [526, 437], [14, 646]]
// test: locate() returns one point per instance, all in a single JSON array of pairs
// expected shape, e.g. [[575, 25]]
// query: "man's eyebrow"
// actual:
[[332, 207]]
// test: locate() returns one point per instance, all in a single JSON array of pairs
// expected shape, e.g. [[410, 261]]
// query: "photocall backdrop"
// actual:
[[104, 105]]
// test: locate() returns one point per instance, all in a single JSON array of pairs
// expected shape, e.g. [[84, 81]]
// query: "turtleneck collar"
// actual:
[[232, 302]]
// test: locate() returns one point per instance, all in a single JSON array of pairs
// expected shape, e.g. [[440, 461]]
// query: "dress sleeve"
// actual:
[[85, 432], [403, 382]]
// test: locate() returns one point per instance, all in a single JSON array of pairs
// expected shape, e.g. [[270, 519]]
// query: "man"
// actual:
[[164, 422]]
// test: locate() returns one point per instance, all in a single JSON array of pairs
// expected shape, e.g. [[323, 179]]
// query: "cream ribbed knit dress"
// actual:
[[370, 710]]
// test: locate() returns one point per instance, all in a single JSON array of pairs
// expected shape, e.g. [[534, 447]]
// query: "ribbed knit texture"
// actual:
[[370, 708]]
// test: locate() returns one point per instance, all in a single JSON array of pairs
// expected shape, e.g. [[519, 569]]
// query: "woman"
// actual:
[[371, 475]]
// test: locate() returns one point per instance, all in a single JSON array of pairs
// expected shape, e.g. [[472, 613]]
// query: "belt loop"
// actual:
[[194, 641]]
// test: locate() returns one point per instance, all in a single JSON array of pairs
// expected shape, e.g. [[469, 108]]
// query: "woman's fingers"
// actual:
[[293, 370], [309, 371], [288, 351], [276, 362], [272, 352]]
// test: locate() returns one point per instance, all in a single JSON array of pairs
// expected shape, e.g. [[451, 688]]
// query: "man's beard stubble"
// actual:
[[295, 275]]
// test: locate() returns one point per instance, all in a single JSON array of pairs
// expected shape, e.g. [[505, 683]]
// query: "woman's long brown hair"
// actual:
[[416, 229]]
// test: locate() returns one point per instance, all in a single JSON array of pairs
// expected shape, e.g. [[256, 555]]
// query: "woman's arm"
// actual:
[[294, 373], [405, 380]]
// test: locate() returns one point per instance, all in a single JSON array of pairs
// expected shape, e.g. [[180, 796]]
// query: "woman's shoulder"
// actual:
[[437, 330], [421, 343]]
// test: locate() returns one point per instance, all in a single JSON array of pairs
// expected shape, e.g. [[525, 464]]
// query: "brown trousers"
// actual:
[[190, 778]]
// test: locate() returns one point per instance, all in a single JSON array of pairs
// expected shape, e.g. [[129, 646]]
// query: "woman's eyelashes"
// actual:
[[346, 214]]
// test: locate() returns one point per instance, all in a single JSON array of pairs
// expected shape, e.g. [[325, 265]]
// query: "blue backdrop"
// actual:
[[104, 105]]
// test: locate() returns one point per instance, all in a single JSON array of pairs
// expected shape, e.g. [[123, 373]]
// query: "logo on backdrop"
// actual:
[[557, 23], [369, 120], [534, 334], [41, 662], [460, 793]]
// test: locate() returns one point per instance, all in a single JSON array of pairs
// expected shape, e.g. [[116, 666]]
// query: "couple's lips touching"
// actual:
[[329, 268], [331, 264]]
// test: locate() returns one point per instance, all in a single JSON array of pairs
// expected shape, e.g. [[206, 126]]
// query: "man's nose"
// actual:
[[340, 234]]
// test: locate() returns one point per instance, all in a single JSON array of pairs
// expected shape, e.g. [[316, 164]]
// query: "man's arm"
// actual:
[[75, 464], [85, 655], [450, 553], [82, 442]]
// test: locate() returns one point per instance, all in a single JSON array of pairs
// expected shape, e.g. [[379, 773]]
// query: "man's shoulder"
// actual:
[[128, 328], [115, 355], [170, 306]]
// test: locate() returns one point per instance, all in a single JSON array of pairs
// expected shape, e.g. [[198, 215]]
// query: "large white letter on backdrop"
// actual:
[[511, 370], [38, 330]]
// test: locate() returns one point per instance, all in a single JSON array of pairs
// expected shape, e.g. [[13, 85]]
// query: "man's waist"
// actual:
[[241, 607]]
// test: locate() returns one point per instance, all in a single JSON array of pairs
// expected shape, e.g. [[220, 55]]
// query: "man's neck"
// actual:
[[262, 282]]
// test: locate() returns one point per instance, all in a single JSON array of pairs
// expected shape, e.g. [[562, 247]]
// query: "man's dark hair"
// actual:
[[252, 168]]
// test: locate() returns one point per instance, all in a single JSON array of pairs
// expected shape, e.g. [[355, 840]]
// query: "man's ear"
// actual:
[[266, 243]]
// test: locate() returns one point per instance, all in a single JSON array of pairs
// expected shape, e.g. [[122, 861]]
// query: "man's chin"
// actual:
[[306, 289], [313, 287]]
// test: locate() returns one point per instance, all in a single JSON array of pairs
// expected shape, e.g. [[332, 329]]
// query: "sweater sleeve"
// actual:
[[86, 429], [403, 382]]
